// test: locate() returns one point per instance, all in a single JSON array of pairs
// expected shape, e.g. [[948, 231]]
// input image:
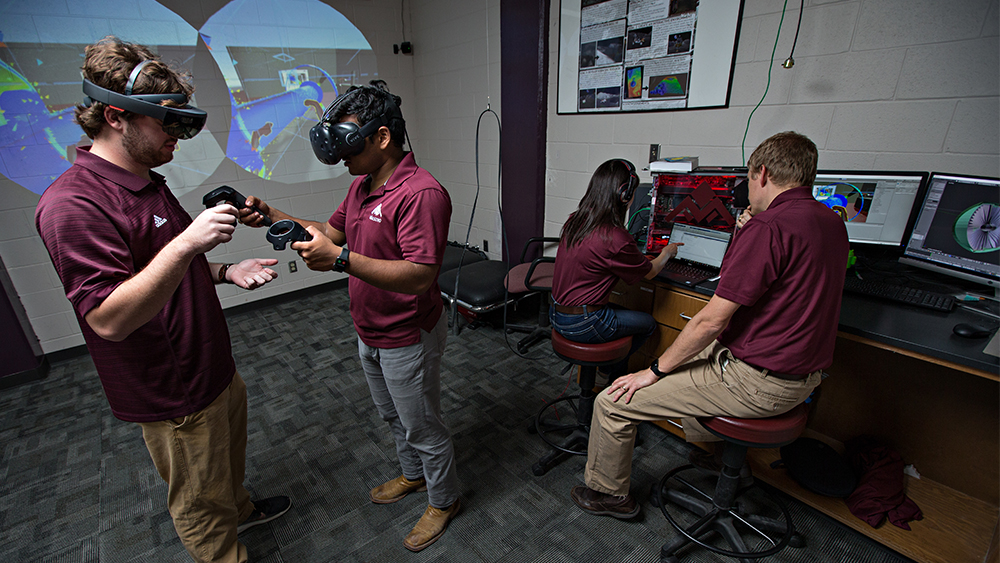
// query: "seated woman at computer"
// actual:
[[595, 251]]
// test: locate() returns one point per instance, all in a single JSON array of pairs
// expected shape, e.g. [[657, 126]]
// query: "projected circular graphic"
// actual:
[[282, 67], [976, 229], [280, 63], [40, 57]]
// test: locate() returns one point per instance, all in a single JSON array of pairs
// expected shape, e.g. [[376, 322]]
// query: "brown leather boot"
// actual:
[[431, 526], [603, 504], [391, 491]]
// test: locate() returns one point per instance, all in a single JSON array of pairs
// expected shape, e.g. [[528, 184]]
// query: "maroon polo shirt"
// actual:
[[405, 219], [786, 269], [586, 273], [101, 225]]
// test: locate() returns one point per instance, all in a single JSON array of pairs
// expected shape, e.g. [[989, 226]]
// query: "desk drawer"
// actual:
[[662, 340], [638, 297], [674, 309]]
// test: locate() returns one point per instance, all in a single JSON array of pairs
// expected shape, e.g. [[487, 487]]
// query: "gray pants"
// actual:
[[406, 386], [713, 383]]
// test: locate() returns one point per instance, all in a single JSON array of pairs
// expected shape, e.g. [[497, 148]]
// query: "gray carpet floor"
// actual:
[[77, 485]]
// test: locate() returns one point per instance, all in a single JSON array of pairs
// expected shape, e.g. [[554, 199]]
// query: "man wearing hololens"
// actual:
[[395, 222], [133, 265]]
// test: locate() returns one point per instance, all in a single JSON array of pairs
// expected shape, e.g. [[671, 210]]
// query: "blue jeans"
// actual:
[[604, 325]]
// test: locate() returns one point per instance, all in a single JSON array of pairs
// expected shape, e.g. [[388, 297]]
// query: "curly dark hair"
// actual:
[[367, 103], [108, 64]]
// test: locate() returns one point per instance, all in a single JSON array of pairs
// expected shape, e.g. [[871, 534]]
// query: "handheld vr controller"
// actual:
[[286, 231], [233, 197]]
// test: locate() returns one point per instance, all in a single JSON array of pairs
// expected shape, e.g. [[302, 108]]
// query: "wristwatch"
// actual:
[[342, 261], [655, 367], [222, 273]]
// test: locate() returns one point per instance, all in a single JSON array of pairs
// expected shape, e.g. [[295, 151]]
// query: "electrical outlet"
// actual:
[[654, 152], [293, 267], [486, 245]]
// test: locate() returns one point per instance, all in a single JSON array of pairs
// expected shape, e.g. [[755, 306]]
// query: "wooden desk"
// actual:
[[941, 415]]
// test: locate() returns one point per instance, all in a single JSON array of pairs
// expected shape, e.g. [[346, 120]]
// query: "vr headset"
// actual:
[[183, 122], [331, 142]]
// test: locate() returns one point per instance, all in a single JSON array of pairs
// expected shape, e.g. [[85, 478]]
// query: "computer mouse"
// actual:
[[971, 331]]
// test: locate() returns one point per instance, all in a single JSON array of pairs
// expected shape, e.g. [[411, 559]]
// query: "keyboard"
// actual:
[[900, 294], [685, 273]]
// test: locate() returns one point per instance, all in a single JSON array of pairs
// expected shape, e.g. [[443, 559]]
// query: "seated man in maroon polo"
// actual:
[[757, 348]]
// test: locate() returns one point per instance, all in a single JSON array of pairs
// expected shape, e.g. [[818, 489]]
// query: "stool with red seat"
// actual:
[[722, 512], [576, 434]]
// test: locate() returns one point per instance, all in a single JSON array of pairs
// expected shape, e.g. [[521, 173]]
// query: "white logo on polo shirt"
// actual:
[[376, 214], [158, 221]]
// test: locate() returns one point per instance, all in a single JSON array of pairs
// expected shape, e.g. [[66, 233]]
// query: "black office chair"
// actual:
[[457, 254], [534, 276]]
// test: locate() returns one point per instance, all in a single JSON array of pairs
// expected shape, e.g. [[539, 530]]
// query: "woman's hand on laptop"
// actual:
[[670, 251], [661, 259]]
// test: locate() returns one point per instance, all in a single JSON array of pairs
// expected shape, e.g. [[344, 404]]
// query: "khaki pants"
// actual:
[[202, 457], [701, 387]]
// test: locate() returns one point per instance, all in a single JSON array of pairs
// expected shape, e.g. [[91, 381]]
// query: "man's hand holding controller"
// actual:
[[210, 228]]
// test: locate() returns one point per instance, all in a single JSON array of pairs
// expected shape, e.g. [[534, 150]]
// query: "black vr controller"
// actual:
[[286, 231], [231, 196]]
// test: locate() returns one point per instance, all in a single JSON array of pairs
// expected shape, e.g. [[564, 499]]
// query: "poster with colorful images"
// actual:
[[640, 55]]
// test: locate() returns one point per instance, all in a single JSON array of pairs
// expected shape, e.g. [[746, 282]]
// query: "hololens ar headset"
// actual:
[[181, 122], [332, 142], [627, 189]]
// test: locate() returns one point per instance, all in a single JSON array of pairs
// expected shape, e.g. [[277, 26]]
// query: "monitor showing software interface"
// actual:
[[958, 229], [701, 246], [877, 207]]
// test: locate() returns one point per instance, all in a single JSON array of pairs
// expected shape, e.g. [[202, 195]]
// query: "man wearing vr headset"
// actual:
[[395, 222], [133, 265]]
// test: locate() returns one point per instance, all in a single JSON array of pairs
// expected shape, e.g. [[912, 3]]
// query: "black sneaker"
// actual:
[[264, 511]]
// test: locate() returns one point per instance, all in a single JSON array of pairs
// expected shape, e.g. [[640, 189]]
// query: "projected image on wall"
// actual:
[[281, 73], [34, 137], [40, 59], [281, 62]]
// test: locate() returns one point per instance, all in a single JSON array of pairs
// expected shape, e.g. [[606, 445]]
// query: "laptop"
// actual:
[[701, 256]]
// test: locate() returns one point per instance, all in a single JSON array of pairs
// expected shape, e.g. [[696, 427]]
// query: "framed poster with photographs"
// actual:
[[646, 55]]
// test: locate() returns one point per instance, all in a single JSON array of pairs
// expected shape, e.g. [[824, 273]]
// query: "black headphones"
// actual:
[[331, 142], [627, 189]]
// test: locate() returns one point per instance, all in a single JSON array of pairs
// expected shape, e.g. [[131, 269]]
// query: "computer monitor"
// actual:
[[958, 229], [877, 206], [702, 199]]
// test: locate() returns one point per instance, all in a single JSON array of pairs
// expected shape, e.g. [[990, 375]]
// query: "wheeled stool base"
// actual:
[[730, 523], [565, 439]]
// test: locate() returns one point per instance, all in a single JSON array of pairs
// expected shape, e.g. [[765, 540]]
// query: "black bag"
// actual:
[[818, 467]]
